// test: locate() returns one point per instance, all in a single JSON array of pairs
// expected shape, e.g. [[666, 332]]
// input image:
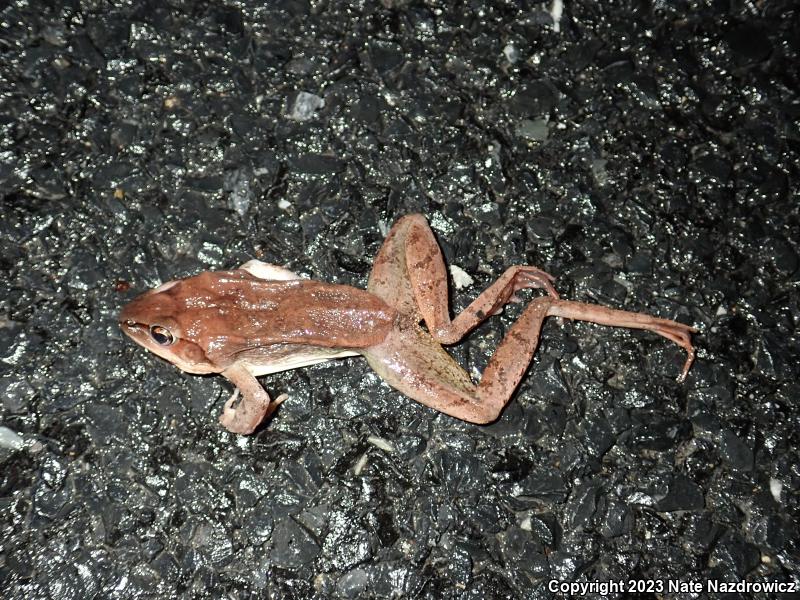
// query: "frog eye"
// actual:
[[161, 335]]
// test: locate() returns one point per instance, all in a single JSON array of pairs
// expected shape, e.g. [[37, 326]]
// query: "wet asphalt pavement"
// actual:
[[646, 154]]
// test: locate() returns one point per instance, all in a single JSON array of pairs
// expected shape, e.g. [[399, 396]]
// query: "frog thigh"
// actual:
[[267, 271], [412, 362], [390, 279]]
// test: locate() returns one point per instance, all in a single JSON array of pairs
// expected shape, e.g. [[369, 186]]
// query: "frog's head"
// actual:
[[158, 321]]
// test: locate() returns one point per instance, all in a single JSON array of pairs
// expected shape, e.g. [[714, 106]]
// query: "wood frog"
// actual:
[[261, 318]]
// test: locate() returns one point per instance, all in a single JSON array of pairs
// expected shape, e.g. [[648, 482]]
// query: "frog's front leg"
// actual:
[[267, 271], [255, 405]]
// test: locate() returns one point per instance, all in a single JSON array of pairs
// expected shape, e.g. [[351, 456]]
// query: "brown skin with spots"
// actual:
[[260, 319]]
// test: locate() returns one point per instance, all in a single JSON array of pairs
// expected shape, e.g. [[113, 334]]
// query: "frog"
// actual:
[[262, 318]]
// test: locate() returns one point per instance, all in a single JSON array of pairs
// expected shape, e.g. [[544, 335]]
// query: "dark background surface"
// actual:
[[646, 154]]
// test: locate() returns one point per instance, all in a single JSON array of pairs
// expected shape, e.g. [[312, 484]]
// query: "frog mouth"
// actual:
[[138, 332], [130, 326]]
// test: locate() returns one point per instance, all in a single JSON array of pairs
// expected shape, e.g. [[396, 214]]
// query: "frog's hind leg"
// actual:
[[409, 274], [675, 332], [421, 369], [413, 362], [389, 278]]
